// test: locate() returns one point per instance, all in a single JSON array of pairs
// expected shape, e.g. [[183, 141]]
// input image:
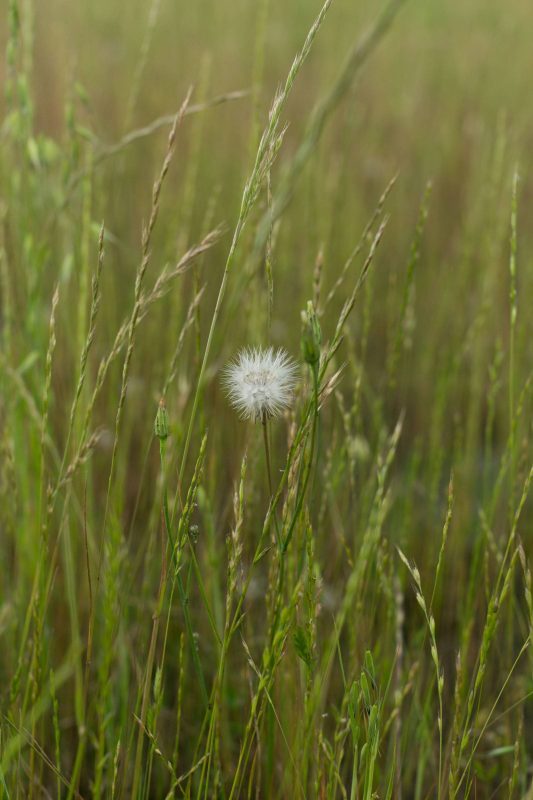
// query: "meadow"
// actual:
[[332, 598]]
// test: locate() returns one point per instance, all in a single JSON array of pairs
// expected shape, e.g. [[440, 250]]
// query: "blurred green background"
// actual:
[[444, 98]]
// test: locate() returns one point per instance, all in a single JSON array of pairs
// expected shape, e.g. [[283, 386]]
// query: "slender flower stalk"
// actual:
[[260, 384]]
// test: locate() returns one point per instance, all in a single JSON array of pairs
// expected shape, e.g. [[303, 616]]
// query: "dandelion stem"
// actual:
[[264, 424]]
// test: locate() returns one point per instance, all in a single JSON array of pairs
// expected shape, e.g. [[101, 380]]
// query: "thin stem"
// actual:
[[148, 678], [301, 494], [199, 383], [184, 600], [512, 329], [264, 424], [299, 501]]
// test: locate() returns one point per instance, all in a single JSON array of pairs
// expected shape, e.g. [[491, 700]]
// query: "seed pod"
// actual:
[[311, 336], [161, 421]]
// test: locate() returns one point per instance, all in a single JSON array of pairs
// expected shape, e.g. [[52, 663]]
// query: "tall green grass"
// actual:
[[338, 605]]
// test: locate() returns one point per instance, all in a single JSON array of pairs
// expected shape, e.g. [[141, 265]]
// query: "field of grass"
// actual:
[[335, 602]]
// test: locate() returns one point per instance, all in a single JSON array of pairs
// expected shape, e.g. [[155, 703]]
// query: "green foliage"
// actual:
[[339, 604]]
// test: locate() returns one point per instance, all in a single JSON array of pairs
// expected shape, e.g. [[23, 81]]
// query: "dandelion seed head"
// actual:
[[259, 383]]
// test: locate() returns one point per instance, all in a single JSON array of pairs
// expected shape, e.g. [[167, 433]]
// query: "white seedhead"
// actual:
[[260, 382]]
